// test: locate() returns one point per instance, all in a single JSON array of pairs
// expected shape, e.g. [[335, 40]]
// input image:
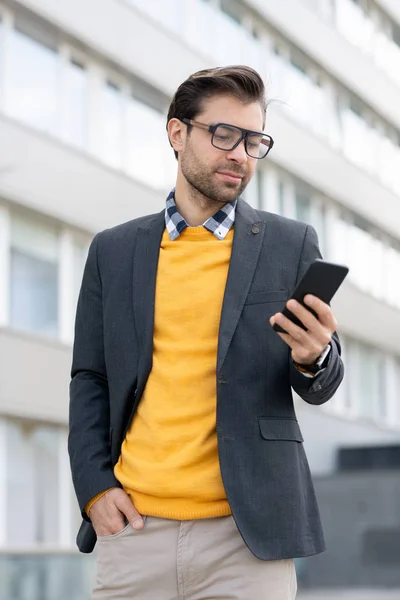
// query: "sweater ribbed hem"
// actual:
[[153, 507]]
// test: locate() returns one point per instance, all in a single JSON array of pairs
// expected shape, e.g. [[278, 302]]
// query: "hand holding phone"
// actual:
[[322, 279]]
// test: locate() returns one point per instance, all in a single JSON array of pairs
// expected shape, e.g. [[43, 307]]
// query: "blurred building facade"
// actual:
[[84, 91]]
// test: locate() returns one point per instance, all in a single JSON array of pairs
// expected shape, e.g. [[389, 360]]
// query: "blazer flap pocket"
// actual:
[[270, 296], [280, 429]]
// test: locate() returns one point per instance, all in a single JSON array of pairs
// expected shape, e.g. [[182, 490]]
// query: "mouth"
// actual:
[[230, 176]]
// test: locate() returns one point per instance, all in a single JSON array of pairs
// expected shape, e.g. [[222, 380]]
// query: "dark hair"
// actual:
[[244, 83]]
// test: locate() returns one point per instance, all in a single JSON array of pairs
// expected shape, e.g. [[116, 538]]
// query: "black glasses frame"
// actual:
[[245, 133]]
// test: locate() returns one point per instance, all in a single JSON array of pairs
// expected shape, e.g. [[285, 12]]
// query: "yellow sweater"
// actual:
[[169, 459]]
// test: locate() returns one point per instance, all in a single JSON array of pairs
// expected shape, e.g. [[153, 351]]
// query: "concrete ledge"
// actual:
[[34, 377], [47, 176]]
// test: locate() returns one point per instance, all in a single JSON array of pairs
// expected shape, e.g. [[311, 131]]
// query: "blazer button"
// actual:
[[255, 229]]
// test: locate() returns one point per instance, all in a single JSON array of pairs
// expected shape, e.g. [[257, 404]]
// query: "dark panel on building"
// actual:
[[374, 457]]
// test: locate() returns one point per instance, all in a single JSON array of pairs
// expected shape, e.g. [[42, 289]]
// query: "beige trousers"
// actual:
[[204, 559]]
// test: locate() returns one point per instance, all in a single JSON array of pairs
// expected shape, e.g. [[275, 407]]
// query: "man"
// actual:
[[186, 454]]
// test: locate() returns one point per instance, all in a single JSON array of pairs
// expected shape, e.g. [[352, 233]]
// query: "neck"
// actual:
[[194, 207]]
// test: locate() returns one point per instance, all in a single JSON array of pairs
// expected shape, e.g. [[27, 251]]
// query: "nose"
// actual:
[[238, 154]]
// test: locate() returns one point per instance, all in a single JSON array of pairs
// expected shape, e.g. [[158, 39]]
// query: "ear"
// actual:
[[177, 132]]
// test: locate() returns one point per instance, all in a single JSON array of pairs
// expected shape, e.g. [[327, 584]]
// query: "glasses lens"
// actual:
[[226, 136], [258, 146]]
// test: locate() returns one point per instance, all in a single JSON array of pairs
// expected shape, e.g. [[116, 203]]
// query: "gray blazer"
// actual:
[[263, 464]]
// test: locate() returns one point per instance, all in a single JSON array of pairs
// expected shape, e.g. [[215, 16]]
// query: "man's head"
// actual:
[[232, 96]]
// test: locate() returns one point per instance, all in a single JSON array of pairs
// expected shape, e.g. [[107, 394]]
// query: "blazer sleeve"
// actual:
[[321, 388], [89, 411]]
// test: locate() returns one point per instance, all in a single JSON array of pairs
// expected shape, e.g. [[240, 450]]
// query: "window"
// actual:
[[366, 386], [318, 221], [397, 388], [233, 12], [354, 23], [112, 114], [392, 281], [74, 104], [30, 93], [149, 156], [80, 256], [261, 186], [252, 192], [302, 206], [369, 382], [281, 198], [228, 37], [34, 277], [32, 473], [396, 34]]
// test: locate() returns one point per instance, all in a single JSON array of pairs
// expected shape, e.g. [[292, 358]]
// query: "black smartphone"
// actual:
[[322, 279]]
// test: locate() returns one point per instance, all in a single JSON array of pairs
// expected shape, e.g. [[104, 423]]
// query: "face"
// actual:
[[219, 175]]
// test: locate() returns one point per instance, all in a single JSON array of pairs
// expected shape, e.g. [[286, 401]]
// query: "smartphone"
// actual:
[[322, 279]]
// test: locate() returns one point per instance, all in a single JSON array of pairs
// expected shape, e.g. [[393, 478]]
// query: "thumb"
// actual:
[[125, 505]]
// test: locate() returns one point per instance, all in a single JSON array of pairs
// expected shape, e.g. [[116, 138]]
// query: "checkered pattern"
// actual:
[[219, 224]]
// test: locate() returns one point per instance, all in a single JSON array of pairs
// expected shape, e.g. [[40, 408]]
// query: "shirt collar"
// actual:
[[219, 224]]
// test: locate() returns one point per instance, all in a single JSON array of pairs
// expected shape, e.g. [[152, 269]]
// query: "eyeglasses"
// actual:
[[228, 137]]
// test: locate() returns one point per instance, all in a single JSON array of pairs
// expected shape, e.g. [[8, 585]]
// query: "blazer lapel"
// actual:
[[144, 287], [247, 242]]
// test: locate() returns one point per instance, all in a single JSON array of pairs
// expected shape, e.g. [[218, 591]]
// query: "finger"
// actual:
[[304, 315], [112, 527], [272, 319], [124, 504], [287, 339], [296, 332], [323, 310]]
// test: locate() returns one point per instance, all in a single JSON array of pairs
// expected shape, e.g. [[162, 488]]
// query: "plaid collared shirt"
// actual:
[[219, 224]]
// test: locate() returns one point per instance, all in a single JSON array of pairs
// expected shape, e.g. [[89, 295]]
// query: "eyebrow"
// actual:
[[237, 127]]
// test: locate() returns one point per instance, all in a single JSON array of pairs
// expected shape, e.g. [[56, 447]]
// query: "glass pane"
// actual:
[[80, 256], [372, 383], [318, 221], [74, 119], [34, 278], [20, 486], [354, 24], [352, 380], [299, 94], [202, 26], [45, 449], [149, 156], [30, 93], [47, 577], [397, 403], [111, 147], [228, 41], [281, 198], [381, 388], [34, 294], [302, 207], [32, 484], [34, 238]]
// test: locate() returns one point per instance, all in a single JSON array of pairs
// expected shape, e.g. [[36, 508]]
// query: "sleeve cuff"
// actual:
[[323, 356], [93, 500], [319, 364]]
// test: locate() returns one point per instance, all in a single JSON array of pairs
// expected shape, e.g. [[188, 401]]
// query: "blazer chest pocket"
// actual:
[[276, 428], [264, 297]]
